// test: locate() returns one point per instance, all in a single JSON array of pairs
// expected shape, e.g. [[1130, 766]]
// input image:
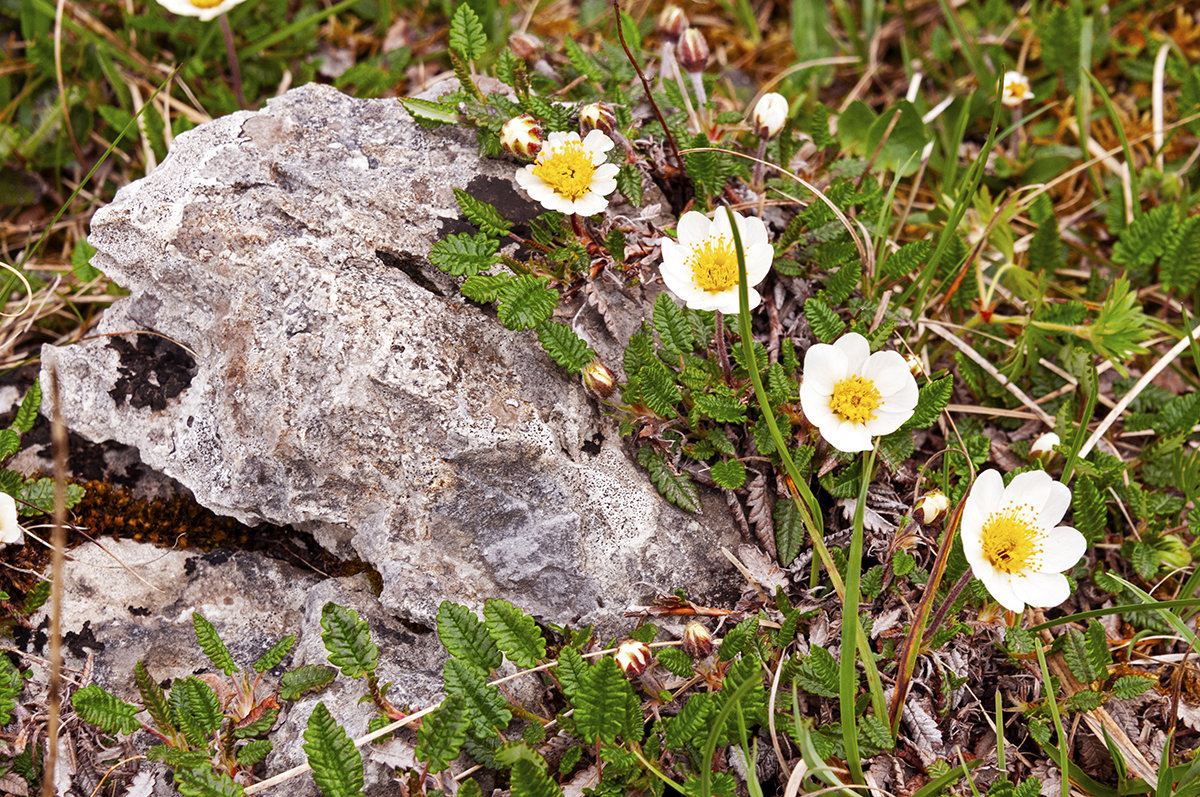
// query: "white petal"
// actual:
[[693, 228], [1029, 490], [754, 297], [526, 178], [10, 528], [1056, 505], [679, 282], [725, 301], [825, 366], [847, 436], [1003, 591], [607, 171], [753, 231], [986, 494], [855, 349], [1062, 547], [886, 421], [758, 262], [1043, 590], [815, 405], [590, 204], [555, 141], [597, 144], [720, 223]]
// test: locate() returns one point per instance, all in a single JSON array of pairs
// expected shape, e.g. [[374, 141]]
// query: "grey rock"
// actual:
[[333, 381]]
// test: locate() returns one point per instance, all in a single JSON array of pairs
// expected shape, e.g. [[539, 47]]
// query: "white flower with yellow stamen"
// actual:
[[1012, 539], [1016, 89], [570, 174], [701, 266], [852, 395], [204, 9]]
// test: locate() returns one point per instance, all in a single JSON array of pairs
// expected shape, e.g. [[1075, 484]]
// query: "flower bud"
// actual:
[[697, 641], [634, 657], [598, 380], [522, 135], [1043, 448], [770, 113], [597, 116], [931, 506], [527, 47], [693, 51], [1016, 89], [915, 366], [671, 23]]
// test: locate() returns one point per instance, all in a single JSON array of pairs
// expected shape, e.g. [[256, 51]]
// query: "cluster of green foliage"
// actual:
[[34, 496]]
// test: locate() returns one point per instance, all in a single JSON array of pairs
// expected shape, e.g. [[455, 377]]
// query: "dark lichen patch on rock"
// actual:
[[153, 370]]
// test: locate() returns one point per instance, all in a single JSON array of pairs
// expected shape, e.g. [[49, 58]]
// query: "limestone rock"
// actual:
[[326, 377]]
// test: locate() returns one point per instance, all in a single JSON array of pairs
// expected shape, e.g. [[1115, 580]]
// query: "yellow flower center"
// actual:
[[568, 170], [855, 400], [206, 3], [714, 265], [1010, 543], [1015, 90]]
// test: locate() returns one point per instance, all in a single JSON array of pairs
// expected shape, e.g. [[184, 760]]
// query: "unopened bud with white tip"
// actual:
[[697, 640], [1043, 448], [598, 380], [770, 114], [634, 657], [931, 506], [522, 135], [597, 116], [693, 51]]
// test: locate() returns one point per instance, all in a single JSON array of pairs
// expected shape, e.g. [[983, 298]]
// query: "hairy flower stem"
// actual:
[[806, 502], [760, 166], [722, 346], [936, 621], [235, 72]]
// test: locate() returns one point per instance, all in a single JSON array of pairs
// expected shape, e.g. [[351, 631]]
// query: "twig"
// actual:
[[58, 434]]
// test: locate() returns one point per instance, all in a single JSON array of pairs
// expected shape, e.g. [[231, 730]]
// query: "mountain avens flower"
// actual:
[[701, 267], [598, 116], [697, 640], [693, 51], [1043, 448], [1016, 89], [851, 395], [931, 506], [522, 135], [770, 114], [1012, 539], [634, 657], [10, 529], [204, 9], [570, 174]]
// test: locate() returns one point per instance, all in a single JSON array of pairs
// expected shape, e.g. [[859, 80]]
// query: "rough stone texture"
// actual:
[[335, 382]]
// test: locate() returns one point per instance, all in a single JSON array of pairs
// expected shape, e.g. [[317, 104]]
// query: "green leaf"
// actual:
[[824, 323], [789, 530], [27, 413], [81, 262], [566, 348], [602, 704], [906, 261], [1097, 647], [466, 637], [253, 751], [178, 757], [211, 644], [877, 732], [514, 632], [676, 661], [818, 674], [308, 678], [441, 735], [839, 287], [203, 781], [629, 183], [154, 699], [529, 780], [1180, 264], [271, 659], [196, 709], [38, 496], [723, 407], [753, 701], [672, 327], [10, 443], [1084, 700], [482, 215], [104, 710], [258, 727], [484, 288], [336, 764], [657, 388], [931, 400], [509, 753], [1046, 247], [1090, 512], [464, 255], [1128, 687], [583, 63], [485, 707], [525, 302], [430, 113], [729, 474], [571, 670], [1145, 240], [1060, 34], [11, 684], [1146, 560], [675, 487], [691, 725], [1075, 653], [348, 641], [466, 33]]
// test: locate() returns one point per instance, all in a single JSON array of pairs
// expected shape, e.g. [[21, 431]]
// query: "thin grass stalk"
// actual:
[[251, 50], [59, 543], [1052, 703], [802, 495], [1136, 206], [848, 673]]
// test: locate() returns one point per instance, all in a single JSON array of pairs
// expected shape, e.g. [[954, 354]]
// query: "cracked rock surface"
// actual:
[[322, 375]]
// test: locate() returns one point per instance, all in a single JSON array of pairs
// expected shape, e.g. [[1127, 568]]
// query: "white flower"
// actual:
[[570, 174], [204, 9], [1012, 539], [1044, 444], [852, 395], [1016, 89], [10, 530], [770, 112], [701, 267]]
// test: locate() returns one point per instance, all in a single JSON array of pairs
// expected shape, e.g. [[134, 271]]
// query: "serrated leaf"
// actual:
[[566, 348], [433, 113], [308, 678], [571, 671], [1084, 700], [463, 255], [253, 751], [485, 707], [466, 33], [671, 325], [1046, 247], [1060, 36], [789, 530], [931, 401], [38, 496], [257, 727], [348, 641], [614, 244], [1075, 653], [1090, 511], [177, 757], [825, 324], [27, 412], [482, 215], [211, 644], [730, 474], [196, 709], [529, 780], [906, 261], [104, 710], [720, 407], [441, 735], [753, 702], [583, 63], [1097, 647], [839, 287], [602, 703], [657, 389], [818, 674], [203, 781], [877, 732], [466, 637], [514, 632], [1128, 687], [1180, 263], [484, 288], [271, 659], [1144, 241], [691, 725], [10, 443], [675, 487], [11, 684], [336, 763], [676, 661], [509, 753], [154, 699], [1146, 560], [525, 302]]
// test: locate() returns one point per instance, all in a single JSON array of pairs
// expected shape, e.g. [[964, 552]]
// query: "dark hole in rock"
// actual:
[[139, 611], [593, 446], [153, 370], [409, 265]]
